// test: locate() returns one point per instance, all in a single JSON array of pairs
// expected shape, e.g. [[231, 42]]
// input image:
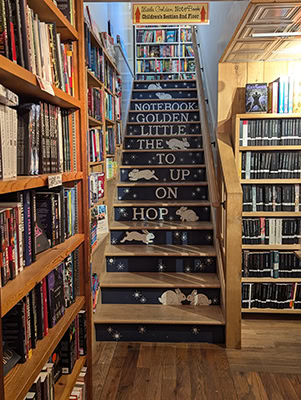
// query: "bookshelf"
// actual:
[[24, 83], [164, 52]]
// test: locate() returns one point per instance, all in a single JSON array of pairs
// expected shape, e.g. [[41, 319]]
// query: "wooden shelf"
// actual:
[[23, 82], [109, 121], [95, 41], [93, 81], [109, 91], [16, 289], [65, 384], [32, 182], [19, 380], [95, 163], [93, 122], [48, 12], [274, 214], [267, 116], [268, 280], [100, 240], [264, 181], [270, 148], [271, 246], [270, 311], [97, 204]]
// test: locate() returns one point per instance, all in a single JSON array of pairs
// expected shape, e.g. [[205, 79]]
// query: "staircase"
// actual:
[[161, 282]]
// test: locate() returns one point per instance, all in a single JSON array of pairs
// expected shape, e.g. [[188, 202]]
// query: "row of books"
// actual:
[[271, 198], [186, 51], [42, 308], [35, 45], [157, 51], [185, 35], [110, 141], [95, 103], [110, 106], [270, 165], [96, 182], [187, 65], [118, 133], [31, 222], [266, 132], [156, 36], [109, 77], [99, 223], [158, 66], [111, 168], [96, 145], [155, 76], [67, 8], [271, 231], [271, 295], [273, 264], [94, 56], [95, 290]]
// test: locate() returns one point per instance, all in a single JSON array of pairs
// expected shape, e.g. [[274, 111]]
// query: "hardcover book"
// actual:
[[256, 97], [55, 294], [10, 359]]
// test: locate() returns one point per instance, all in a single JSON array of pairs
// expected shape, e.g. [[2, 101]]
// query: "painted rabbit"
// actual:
[[154, 86], [146, 174], [198, 299], [172, 298], [175, 144], [145, 237], [187, 215]]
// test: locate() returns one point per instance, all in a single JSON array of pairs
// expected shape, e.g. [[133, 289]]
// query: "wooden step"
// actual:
[[165, 151], [160, 250], [158, 314], [169, 184], [159, 280], [163, 166], [160, 136], [164, 123], [163, 80], [188, 203], [165, 111], [118, 225]]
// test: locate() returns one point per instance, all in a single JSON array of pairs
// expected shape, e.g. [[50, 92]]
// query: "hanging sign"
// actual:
[[169, 13]]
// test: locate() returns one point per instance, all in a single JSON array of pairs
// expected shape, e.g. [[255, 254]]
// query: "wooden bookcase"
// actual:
[[178, 44], [18, 381]]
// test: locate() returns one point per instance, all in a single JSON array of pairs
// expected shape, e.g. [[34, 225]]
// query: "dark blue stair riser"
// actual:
[[163, 174], [160, 236], [166, 129], [161, 264], [161, 296], [164, 105], [171, 213], [165, 94], [165, 85], [152, 117], [171, 143], [163, 158], [166, 193], [170, 333]]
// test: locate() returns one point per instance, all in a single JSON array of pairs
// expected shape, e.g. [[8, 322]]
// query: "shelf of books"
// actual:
[[164, 52], [44, 276], [268, 156], [104, 132]]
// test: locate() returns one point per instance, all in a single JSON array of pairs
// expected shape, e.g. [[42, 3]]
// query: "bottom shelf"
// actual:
[[65, 384], [270, 311]]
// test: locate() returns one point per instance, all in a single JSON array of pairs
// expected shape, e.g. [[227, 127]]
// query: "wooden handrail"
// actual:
[[210, 167]]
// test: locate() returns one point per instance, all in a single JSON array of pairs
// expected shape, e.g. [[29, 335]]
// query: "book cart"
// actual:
[[18, 381], [166, 49], [278, 282]]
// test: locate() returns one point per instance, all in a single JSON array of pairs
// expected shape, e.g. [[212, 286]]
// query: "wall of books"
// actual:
[[164, 52]]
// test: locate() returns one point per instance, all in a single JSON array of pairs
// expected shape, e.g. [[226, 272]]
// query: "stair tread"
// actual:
[[173, 225], [192, 203], [164, 166], [160, 250], [158, 314], [159, 279], [193, 183], [162, 150]]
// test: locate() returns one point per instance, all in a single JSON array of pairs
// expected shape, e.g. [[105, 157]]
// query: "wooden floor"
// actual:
[[267, 368]]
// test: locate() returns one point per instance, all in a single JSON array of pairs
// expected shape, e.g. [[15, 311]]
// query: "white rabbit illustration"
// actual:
[[175, 144], [164, 96], [147, 174], [154, 86], [171, 297], [198, 299], [187, 215], [145, 237]]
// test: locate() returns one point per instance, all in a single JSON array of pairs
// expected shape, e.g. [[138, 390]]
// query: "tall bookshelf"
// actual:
[[24, 83], [164, 52]]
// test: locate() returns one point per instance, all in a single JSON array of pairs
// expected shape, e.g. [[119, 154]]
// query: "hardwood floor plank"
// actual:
[[183, 385], [286, 388], [271, 386], [141, 381], [154, 388], [103, 355], [128, 373]]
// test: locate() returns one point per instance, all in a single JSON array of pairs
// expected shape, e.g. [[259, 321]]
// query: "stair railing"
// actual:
[[226, 205]]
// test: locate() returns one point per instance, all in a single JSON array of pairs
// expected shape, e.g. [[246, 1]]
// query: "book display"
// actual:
[[45, 298], [164, 52]]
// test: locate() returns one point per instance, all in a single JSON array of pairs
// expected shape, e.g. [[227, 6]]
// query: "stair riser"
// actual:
[[169, 333], [172, 143], [163, 174], [165, 105], [160, 236], [152, 117], [165, 193], [190, 214], [161, 264], [165, 94], [160, 296], [163, 158], [165, 85], [167, 129]]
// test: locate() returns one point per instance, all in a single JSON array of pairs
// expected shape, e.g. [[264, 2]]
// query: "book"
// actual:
[[256, 97], [10, 358], [55, 295]]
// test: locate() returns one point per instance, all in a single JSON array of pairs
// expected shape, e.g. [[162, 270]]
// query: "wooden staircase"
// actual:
[[161, 282]]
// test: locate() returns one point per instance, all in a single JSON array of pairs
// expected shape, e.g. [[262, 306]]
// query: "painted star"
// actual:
[[126, 162], [143, 299], [209, 260], [203, 197], [171, 218], [200, 266], [120, 267], [133, 156], [208, 237], [134, 196], [198, 189], [195, 117], [119, 198], [142, 330], [177, 234], [215, 300], [188, 95], [110, 330], [136, 295], [111, 260], [184, 237], [192, 130], [123, 171], [193, 193], [117, 336], [195, 175], [195, 330], [128, 146], [193, 161], [132, 118], [149, 161], [114, 240], [126, 190], [187, 269], [181, 159]]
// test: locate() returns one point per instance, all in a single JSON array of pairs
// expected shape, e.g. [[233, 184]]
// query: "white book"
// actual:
[[60, 62], [248, 165], [37, 45], [14, 116]]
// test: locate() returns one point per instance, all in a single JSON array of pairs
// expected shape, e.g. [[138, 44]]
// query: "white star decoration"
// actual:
[[198, 189], [208, 237], [181, 159], [177, 234], [111, 260], [143, 299], [120, 267], [209, 261], [110, 330], [171, 218], [187, 269], [136, 295], [161, 267], [141, 330], [133, 156], [195, 175], [188, 95], [215, 300], [117, 336], [134, 196], [126, 190], [195, 330], [184, 237], [113, 240], [193, 194], [193, 161], [128, 146], [199, 265]]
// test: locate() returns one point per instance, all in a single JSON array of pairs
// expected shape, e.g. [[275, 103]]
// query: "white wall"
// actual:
[[213, 38]]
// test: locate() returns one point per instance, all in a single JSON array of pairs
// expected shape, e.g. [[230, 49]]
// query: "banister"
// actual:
[[210, 167]]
